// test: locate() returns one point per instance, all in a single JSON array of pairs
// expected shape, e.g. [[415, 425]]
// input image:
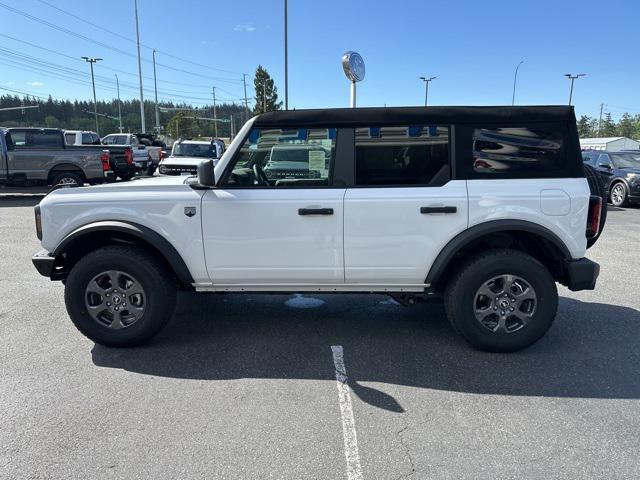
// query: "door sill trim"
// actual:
[[309, 287]]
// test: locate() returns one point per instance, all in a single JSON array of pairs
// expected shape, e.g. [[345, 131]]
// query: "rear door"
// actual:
[[404, 206], [266, 230]]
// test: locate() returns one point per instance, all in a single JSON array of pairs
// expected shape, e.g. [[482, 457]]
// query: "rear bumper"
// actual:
[[582, 274]]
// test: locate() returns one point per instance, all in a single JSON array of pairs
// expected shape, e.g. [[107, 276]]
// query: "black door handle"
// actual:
[[438, 209], [315, 211]]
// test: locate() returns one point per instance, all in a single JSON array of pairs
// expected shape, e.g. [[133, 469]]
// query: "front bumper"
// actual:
[[44, 263], [582, 274]]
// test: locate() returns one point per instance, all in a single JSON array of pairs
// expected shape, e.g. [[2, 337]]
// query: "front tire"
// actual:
[[119, 296], [619, 196], [502, 301]]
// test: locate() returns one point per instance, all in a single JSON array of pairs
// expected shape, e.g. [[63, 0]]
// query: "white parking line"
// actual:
[[354, 470]]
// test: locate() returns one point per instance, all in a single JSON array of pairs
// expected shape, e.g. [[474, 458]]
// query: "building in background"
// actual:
[[612, 144]]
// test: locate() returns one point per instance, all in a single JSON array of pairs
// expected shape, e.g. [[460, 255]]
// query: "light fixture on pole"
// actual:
[[119, 107], [353, 66], [515, 77], [426, 81], [573, 78], [91, 61]]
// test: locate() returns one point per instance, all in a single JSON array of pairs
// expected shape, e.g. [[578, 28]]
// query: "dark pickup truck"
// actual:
[[40, 156]]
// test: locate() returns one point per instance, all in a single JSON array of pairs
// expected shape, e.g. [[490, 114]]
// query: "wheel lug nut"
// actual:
[[108, 295], [495, 308], [501, 313], [511, 309], [116, 308], [513, 300], [108, 304]]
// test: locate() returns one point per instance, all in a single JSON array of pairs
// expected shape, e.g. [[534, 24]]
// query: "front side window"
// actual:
[[277, 157], [514, 150], [402, 155]]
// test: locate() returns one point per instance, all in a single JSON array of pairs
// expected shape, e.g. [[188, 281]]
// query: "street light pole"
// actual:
[[572, 78], [119, 107], [515, 77], [215, 114], [155, 86], [144, 129], [286, 59], [426, 89], [91, 61], [264, 96], [246, 102]]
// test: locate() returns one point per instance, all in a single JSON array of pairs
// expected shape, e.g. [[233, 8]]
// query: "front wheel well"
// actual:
[[80, 246], [65, 167], [535, 245]]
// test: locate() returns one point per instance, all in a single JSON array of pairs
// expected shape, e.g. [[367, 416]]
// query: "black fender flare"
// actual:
[[161, 244], [493, 226]]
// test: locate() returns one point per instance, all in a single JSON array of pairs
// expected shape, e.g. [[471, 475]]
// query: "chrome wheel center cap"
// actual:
[[116, 300]]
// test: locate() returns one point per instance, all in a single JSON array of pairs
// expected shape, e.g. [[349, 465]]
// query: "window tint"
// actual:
[[18, 138], [518, 150], [87, 139], [70, 138], [284, 158], [36, 138], [403, 155]]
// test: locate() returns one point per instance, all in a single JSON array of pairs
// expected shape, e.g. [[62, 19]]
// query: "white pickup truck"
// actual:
[[141, 154], [483, 207]]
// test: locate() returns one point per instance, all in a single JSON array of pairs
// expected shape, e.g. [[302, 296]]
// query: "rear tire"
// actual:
[[119, 296], [67, 178], [502, 301], [127, 176]]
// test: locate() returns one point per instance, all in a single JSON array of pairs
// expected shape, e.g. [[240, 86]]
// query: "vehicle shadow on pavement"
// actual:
[[25, 201], [591, 350]]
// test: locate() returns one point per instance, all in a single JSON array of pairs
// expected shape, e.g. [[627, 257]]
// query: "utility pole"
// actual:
[[264, 96], [91, 61], [246, 103], [515, 77], [572, 78], [119, 106], [215, 114], [600, 120], [155, 86], [426, 90], [231, 128], [144, 129], [286, 59]]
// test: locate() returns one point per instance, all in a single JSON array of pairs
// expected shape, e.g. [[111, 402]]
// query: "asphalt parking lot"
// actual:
[[245, 386]]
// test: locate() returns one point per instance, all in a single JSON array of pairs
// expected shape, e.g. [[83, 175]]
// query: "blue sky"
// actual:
[[472, 47]]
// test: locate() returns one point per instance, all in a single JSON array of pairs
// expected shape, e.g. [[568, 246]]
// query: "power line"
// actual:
[[133, 41], [109, 47]]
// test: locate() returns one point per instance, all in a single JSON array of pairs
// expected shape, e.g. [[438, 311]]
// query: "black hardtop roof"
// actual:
[[378, 116]]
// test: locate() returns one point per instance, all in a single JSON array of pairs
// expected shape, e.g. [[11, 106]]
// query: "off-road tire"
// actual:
[[460, 299], [158, 284]]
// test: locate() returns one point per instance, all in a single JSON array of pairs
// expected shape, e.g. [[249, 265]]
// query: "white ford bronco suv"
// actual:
[[483, 207]]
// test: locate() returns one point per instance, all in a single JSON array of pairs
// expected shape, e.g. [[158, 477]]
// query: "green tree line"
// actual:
[[77, 115], [626, 126]]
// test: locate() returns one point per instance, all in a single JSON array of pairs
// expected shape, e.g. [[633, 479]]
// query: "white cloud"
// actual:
[[35, 84], [8, 84], [244, 27]]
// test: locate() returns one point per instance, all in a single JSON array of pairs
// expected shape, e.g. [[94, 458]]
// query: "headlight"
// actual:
[[38, 221]]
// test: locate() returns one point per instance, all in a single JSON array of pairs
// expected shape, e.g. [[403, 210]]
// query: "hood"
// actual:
[[160, 183], [185, 160]]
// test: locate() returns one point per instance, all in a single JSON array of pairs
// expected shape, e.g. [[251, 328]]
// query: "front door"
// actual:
[[275, 218], [404, 206]]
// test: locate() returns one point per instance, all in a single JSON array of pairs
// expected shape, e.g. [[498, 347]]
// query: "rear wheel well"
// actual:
[[70, 168], [537, 246], [84, 244]]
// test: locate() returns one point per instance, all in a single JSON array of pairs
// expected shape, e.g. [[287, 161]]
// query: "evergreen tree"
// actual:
[[266, 92]]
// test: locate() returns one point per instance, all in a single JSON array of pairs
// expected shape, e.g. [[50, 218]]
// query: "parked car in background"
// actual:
[[155, 146], [141, 156], [186, 155], [620, 173], [81, 137], [40, 156]]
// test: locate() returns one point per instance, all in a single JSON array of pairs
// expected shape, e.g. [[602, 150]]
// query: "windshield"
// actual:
[[626, 160], [204, 150]]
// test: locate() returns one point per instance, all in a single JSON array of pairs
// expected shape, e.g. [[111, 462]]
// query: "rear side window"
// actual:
[[402, 155], [516, 150], [36, 139], [70, 138]]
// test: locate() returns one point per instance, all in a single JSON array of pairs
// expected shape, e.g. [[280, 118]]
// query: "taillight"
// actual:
[[38, 222], [104, 158], [593, 218], [128, 156], [161, 155]]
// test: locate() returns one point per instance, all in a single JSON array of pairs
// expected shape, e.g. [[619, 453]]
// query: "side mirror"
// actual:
[[206, 174]]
